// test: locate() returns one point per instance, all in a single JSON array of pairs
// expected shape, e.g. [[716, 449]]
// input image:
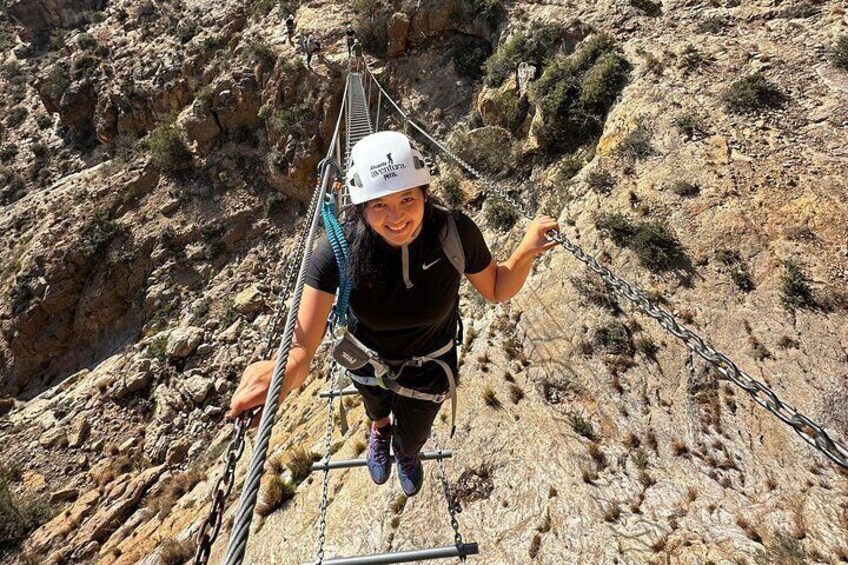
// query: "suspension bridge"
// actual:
[[363, 92]]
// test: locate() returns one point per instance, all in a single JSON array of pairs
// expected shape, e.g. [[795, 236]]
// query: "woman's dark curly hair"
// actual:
[[369, 255]]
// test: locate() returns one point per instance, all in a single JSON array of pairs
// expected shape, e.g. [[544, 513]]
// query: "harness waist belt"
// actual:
[[383, 368]]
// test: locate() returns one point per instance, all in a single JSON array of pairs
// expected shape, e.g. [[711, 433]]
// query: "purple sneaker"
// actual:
[[410, 473], [377, 458]]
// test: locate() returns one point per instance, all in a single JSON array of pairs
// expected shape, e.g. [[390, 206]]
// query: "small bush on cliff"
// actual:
[[468, 57], [16, 116], [533, 46], [167, 148], [840, 53], [752, 93], [652, 241], [8, 152], [575, 94], [647, 7], [20, 515], [795, 287], [97, 234], [499, 214]]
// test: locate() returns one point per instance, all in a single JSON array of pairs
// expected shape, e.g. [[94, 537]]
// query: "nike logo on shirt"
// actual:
[[425, 266]]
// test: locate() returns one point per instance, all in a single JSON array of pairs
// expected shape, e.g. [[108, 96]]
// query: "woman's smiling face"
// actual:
[[398, 216]]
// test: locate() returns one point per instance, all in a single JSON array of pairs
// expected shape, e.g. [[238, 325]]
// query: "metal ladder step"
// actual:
[[324, 465], [351, 390], [445, 552]]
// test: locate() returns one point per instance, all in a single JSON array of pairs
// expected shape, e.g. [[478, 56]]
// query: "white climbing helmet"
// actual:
[[384, 163]]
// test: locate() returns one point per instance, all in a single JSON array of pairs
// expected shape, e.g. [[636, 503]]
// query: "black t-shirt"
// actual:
[[402, 323]]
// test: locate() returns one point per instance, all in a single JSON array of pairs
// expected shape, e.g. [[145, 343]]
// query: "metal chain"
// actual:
[[808, 430], [222, 490], [325, 487], [453, 506]]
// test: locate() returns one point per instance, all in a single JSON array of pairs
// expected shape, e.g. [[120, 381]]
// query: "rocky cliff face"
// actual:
[[156, 161]]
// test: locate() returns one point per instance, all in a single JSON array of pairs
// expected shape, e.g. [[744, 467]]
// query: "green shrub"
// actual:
[[603, 83], [8, 152], [39, 149], [595, 291], [742, 279], [685, 188], [499, 214], [297, 118], [636, 145], [186, 30], [795, 287], [490, 149], [690, 126], [839, 57], [652, 241], [752, 93], [44, 121], [510, 109], [372, 25], [711, 24], [261, 53], [691, 59], [533, 46], [582, 427], [274, 204], [490, 11], [97, 234], [212, 42], [614, 338], [20, 515], [575, 94], [449, 187], [647, 347], [86, 42], [167, 148], [16, 116], [647, 7], [158, 349], [600, 181]]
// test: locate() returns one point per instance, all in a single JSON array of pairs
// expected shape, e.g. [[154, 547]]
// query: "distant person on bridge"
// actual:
[[350, 34], [356, 64], [290, 28], [404, 301]]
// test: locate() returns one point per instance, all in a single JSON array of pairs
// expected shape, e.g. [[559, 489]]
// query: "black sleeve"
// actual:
[[322, 272], [477, 254]]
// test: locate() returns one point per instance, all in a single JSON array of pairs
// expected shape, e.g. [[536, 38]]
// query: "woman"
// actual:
[[403, 303]]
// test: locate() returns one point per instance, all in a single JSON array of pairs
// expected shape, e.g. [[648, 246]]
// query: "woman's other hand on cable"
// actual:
[[252, 389], [535, 241]]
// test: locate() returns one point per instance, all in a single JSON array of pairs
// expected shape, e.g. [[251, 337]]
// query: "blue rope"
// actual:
[[338, 243]]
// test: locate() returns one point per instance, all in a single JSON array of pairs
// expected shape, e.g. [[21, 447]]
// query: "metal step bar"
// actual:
[[349, 391], [351, 463], [446, 552]]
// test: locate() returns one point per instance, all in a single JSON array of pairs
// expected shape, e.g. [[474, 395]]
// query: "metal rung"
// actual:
[[351, 463], [334, 393], [446, 552]]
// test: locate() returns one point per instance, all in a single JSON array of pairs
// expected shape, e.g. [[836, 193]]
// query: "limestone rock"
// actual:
[[177, 451], [79, 433], [183, 341], [200, 126], [196, 387], [249, 301], [502, 106], [54, 437], [398, 31], [64, 495], [107, 519], [135, 382], [37, 15]]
